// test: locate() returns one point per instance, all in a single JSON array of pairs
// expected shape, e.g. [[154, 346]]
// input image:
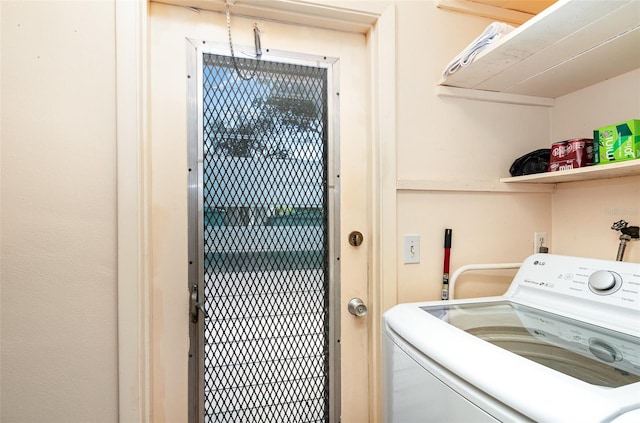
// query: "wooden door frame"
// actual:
[[134, 175]]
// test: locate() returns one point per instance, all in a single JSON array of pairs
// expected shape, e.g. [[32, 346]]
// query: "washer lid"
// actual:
[[590, 353]]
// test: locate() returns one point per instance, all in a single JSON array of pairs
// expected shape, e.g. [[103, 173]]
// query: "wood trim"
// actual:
[[133, 287], [485, 11], [357, 18], [383, 280], [495, 97], [472, 186]]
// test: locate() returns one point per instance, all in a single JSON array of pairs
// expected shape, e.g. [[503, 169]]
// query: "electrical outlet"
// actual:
[[411, 249], [539, 240]]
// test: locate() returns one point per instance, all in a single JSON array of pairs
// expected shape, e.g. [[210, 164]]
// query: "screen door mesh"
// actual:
[[266, 352]]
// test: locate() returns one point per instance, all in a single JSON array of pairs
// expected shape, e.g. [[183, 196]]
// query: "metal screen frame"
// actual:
[[195, 51]]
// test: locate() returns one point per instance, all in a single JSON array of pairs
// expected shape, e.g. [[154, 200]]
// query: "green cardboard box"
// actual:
[[617, 143]]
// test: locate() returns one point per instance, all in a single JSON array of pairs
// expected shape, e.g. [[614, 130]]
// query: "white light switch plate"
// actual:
[[411, 249]]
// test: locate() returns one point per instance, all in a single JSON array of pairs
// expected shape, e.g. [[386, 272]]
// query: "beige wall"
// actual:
[[459, 149], [487, 228], [451, 148], [59, 352], [583, 212]]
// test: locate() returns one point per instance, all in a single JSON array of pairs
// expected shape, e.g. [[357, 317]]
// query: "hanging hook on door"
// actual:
[[256, 40]]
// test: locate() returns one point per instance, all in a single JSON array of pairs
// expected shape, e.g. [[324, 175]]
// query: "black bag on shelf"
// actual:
[[535, 162]]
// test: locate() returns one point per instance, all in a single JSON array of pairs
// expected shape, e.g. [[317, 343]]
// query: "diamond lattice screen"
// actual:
[[265, 242]]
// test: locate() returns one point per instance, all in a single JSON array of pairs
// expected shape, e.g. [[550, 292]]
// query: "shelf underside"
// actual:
[[571, 45]]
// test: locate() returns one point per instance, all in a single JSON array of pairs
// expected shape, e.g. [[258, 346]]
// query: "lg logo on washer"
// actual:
[[538, 263]]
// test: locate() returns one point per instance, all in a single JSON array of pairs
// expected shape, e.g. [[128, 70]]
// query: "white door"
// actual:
[[170, 26]]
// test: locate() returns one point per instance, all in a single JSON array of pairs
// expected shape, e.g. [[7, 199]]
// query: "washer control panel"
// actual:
[[609, 282]]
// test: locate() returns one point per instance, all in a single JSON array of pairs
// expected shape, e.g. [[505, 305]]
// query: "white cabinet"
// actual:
[[569, 46]]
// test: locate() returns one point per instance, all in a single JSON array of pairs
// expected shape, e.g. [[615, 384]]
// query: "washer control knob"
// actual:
[[604, 280], [604, 351]]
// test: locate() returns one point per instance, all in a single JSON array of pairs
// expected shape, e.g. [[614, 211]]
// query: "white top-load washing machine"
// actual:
[[561, 345]]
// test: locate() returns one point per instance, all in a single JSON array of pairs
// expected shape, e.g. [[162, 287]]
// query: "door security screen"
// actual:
[[263, 287]]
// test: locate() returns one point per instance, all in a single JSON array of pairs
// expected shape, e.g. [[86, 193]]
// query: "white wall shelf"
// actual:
[[605, 171], [571, 45]]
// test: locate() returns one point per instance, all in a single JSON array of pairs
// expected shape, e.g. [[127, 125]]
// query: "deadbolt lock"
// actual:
[[355, 238]]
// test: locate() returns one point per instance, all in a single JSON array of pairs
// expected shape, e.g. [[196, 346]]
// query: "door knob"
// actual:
[[357, 307]]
